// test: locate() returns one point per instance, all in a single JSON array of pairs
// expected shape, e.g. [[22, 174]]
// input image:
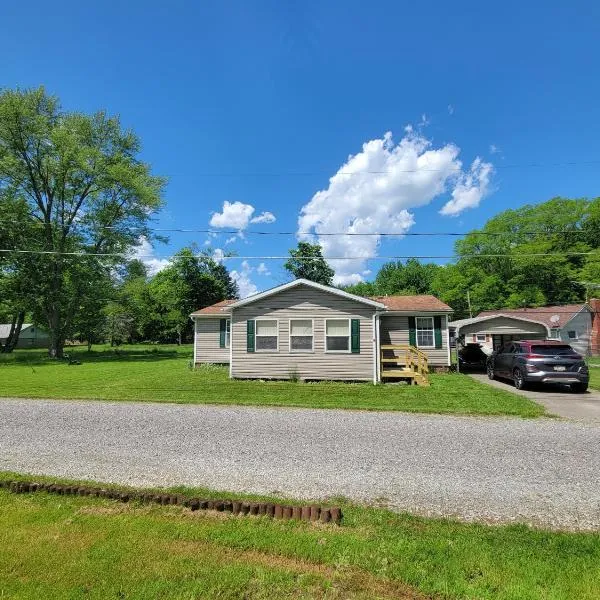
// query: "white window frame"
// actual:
[[256, 336], [312, 328], [227, 333], [349, 336], [432, 319]]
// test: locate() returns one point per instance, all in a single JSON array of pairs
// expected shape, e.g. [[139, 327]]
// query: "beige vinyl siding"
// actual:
[[393, 329], [207, 341], [303, 302]]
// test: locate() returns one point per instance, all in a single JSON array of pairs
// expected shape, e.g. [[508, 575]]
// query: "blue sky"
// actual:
[[261, 103]]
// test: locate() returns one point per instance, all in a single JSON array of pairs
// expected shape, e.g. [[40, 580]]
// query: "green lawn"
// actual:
[[73, 547], [594, 372], [163, 374]]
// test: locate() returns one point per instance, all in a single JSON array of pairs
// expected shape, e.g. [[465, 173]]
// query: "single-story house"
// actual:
[[570, 323], [306, 330], [491, 331], [31, 336]]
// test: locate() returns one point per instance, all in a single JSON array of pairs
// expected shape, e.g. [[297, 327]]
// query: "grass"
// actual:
[[594, 364], [163, 374], [71, 547]]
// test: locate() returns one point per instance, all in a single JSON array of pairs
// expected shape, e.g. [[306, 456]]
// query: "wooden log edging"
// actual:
[[237, 507]]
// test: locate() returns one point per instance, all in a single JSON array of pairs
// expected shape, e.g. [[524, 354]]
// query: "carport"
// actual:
[[493, 331]]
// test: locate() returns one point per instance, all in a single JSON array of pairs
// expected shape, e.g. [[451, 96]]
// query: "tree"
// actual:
[[307, 262], [192, 281], [86, 192]]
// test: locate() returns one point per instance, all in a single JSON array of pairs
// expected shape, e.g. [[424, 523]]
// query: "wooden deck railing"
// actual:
[[410, 362]]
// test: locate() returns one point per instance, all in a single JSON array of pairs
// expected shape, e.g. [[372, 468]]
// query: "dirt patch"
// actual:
[[347, 582]]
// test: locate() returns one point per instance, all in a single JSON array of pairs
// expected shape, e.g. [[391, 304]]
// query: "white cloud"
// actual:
[[235, 214], [264, 217], [238, 215], [242, 278], [145, 253], [373, 191], [262, 269], [470, 188], [218, 255]]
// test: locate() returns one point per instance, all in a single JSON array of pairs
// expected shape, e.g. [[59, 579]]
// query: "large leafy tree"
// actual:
[[86, 191], [192, 281], [307, 262]]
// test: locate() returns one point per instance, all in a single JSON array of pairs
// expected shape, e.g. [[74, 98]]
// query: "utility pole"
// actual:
[[469, 303]]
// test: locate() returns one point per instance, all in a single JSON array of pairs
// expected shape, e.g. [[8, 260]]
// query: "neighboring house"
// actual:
[[31, 336], [306, 330], [570, 323]]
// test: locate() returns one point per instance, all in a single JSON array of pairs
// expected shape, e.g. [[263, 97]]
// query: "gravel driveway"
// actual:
[[495, 469]]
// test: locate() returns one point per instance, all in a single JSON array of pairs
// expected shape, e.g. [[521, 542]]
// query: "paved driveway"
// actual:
[[557, 399], [496, 469]]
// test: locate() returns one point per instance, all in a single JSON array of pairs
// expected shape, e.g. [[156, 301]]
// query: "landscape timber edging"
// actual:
[[277, 511]]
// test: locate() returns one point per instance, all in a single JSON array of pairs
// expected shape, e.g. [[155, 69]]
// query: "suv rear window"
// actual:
[[552, 350]]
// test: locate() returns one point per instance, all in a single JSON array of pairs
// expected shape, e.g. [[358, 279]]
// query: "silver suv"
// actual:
[[539, 361]]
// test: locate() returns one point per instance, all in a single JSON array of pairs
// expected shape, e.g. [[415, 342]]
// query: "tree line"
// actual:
[[536, 255]]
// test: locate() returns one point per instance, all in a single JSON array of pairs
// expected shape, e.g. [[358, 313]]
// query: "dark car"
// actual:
[[539, 361], [471, 356]]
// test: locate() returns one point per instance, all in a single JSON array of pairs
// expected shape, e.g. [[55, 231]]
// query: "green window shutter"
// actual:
[[412, 331], [250, 335], [355, 336], [222, 332], [437, 326]]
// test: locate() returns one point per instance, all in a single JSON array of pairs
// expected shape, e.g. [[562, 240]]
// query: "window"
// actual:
[[337, 335], [301, 335], [572, 335], [425, 332], [227, 332], [267, 335], [481, 337]]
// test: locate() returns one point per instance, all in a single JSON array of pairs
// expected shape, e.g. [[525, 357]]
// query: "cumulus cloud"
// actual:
[[470, 188], [262, 269], [242, 278], [237, 215], [264, 217], [374, 190], [145, 253]]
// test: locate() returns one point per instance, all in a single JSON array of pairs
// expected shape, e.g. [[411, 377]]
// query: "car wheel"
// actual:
[[490, 372], [519, 380], [579, 388]]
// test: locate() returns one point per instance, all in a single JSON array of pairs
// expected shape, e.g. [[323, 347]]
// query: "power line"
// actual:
[[532, 165], [307, 258], [322, 234]]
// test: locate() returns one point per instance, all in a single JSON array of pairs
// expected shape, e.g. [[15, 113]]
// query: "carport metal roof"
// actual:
[[457, 325]]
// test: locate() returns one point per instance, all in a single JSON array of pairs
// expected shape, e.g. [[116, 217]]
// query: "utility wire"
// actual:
[[307, 258], [457, 169], [320, 234]]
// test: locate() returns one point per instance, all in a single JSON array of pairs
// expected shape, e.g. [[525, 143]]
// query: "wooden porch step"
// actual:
[[400, 373]]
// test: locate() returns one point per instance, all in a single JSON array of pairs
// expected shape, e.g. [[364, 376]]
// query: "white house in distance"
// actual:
[[31, 336], [305, 330]]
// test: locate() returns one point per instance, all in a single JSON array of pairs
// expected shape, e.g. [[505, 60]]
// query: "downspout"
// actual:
[[195, 340], [231, 344], [376, 347], [448, 341]]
